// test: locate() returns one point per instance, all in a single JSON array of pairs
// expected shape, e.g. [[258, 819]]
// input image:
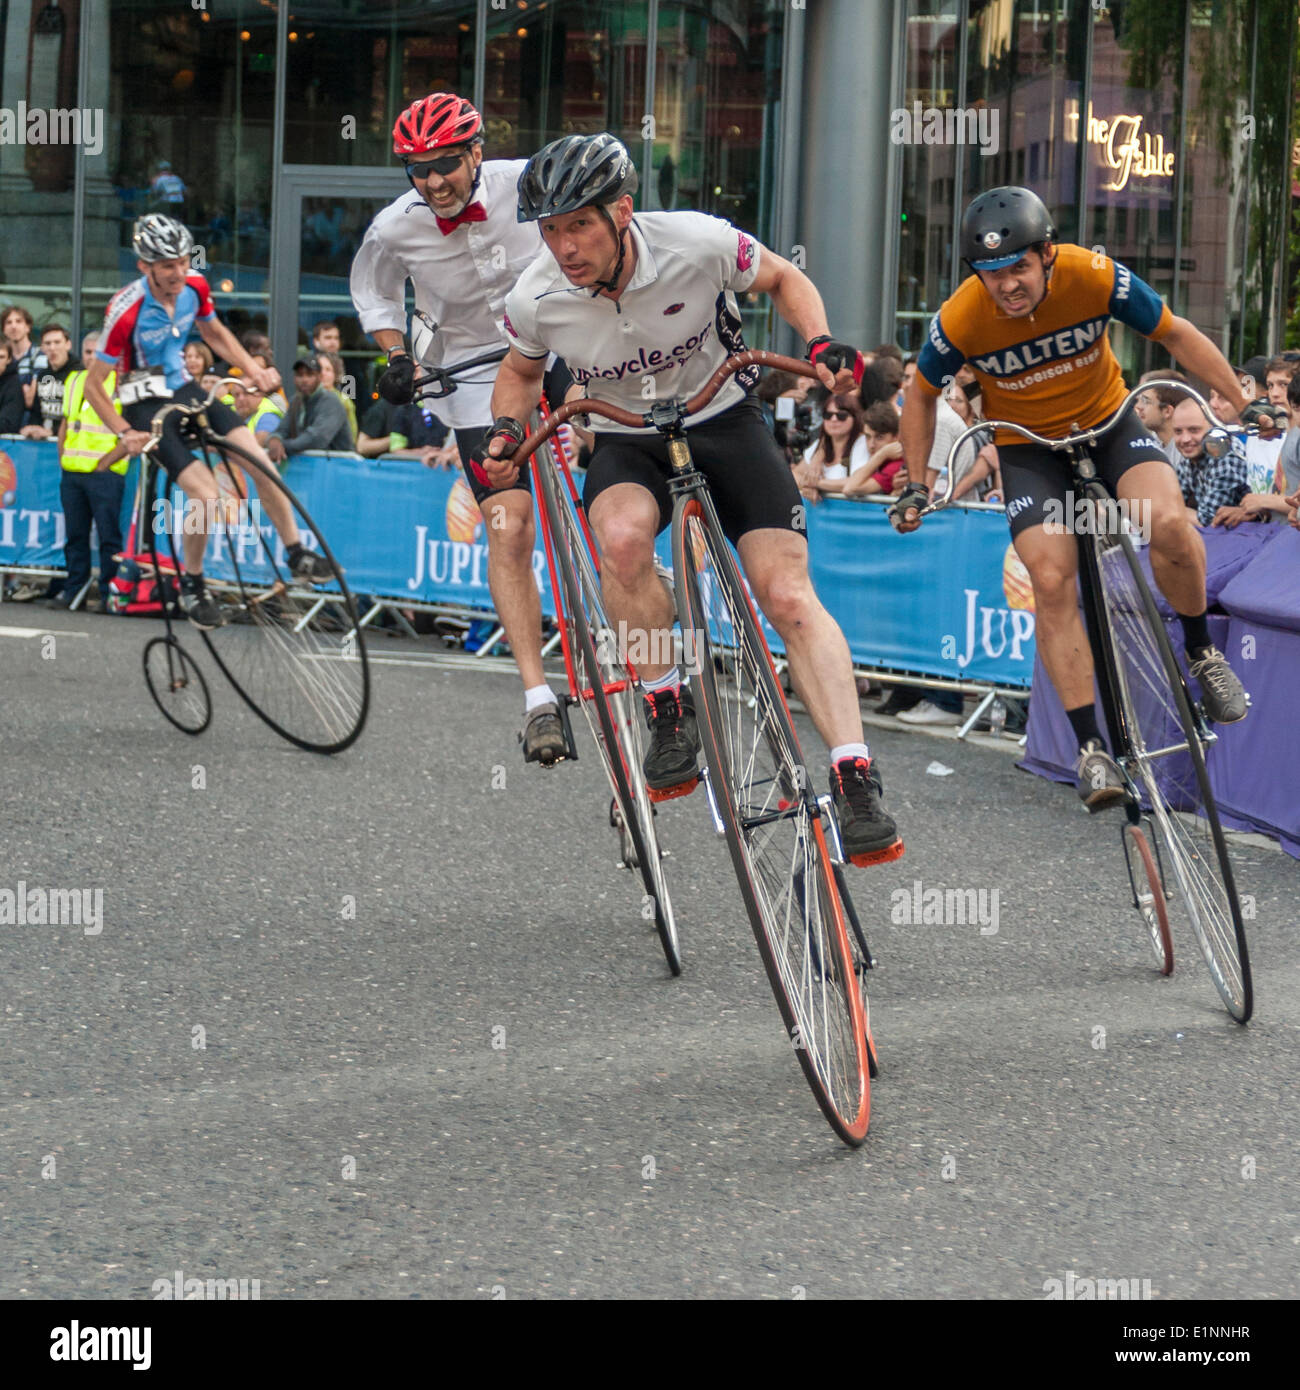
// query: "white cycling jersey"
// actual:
[[460, 280], [668, 332]]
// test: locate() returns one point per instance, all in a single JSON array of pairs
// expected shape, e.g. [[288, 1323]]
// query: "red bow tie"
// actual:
[[471, 212]]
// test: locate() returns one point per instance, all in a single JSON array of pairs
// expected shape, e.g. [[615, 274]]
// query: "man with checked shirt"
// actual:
[[456, 238]]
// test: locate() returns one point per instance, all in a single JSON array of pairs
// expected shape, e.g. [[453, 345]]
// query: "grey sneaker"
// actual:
[[1223, 697], [1097, 777], [543, 736], [199, 606]]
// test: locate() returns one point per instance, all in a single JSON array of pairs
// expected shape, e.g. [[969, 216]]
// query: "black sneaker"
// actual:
[[1097, 777], [315, 569], [671, 765], [60, 600], [543, 735], [1223, 697], [199, 606], [867, 829]]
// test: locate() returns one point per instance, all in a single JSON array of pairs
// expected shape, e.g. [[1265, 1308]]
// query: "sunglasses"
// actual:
[[444, 164], [837, 415]]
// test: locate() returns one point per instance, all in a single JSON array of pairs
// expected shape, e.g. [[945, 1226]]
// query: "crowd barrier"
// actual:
[[1253, 575], [949, 603], [406, 533]]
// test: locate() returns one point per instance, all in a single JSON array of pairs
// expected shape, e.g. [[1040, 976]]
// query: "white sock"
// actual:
[[849, 750], [670, 680], [538, 695]]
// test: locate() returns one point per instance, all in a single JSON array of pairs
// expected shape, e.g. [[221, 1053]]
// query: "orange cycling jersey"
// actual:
[[1053, 371]]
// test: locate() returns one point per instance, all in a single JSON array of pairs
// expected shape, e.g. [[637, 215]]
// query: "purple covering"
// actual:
[[1227, 553], [1268, 589], [1255, 768], [1254, 573]]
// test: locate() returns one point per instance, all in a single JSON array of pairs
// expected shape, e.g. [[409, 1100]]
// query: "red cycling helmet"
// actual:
[[435, 122]]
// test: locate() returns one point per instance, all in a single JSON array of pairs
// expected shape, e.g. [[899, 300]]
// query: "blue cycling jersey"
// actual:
[[139, 331]]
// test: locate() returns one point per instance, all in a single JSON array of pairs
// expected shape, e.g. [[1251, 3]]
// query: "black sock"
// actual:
[[193, 581], [1084, 723], [294, 551], [1196, 633]]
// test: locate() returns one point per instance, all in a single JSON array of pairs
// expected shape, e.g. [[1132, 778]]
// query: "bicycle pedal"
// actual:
[[671, 793], [879, 856]]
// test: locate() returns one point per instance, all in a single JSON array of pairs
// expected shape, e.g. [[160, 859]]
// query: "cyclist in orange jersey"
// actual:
[[1031, 324]]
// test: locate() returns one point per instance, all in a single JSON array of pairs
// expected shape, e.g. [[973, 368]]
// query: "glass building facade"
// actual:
[[1156, 129]]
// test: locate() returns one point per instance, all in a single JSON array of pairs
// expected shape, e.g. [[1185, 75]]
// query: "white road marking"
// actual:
[[38, 632]]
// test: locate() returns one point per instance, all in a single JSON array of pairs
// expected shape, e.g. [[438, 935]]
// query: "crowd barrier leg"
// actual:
[[497, 635]]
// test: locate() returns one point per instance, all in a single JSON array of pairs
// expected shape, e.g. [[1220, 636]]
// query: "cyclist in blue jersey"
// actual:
[[145, 330]]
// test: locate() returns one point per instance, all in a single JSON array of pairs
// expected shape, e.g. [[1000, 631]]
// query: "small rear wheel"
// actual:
[[1149, 895], [177, 685]]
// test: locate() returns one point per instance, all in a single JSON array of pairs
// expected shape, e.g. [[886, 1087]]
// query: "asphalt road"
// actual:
[[441, 1055]]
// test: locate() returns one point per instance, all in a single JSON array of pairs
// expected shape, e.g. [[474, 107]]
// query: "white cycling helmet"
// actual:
[[159, 238]]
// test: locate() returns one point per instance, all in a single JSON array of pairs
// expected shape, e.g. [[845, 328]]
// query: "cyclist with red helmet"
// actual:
[[645, 305], [1031, 324], [455, 237], [145, 330]]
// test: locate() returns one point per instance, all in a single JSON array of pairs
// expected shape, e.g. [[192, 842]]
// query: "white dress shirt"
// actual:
[[460, 280]]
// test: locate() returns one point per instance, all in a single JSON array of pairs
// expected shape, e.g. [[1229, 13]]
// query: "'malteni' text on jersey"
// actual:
[[673, 326], [1054, 370]]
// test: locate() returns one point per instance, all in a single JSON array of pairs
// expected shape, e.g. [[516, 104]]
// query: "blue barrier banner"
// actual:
[[950, 600], [31, 513]]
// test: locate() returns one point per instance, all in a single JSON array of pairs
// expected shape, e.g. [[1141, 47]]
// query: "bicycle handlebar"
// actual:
[[590, 405], [1069, 441], [445, 377], [118, 451]]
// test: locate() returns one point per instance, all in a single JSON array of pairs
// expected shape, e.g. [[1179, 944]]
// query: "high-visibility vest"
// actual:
[[267, 415], [87, 439]]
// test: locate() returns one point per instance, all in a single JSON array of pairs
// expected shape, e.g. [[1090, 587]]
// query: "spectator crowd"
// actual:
[[839, 445]]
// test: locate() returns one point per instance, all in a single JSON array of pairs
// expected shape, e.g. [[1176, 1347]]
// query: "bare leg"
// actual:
[[1177, 549], [1053, 563], [510, 531], [776, 565], [625, 519], [274, 503]]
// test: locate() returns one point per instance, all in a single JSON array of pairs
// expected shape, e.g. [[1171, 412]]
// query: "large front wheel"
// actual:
[[760, 788], [1165, 758], [293, 649]]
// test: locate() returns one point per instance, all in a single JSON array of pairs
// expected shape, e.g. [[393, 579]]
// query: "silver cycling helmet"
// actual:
[[159, 238]]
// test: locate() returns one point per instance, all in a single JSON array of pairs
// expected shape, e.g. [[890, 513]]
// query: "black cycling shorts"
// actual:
[[554, 384], [173, 452], [1037, 482], [751, 483]]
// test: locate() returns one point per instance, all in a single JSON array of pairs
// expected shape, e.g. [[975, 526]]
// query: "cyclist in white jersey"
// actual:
[[456, 238], [647, 303]]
